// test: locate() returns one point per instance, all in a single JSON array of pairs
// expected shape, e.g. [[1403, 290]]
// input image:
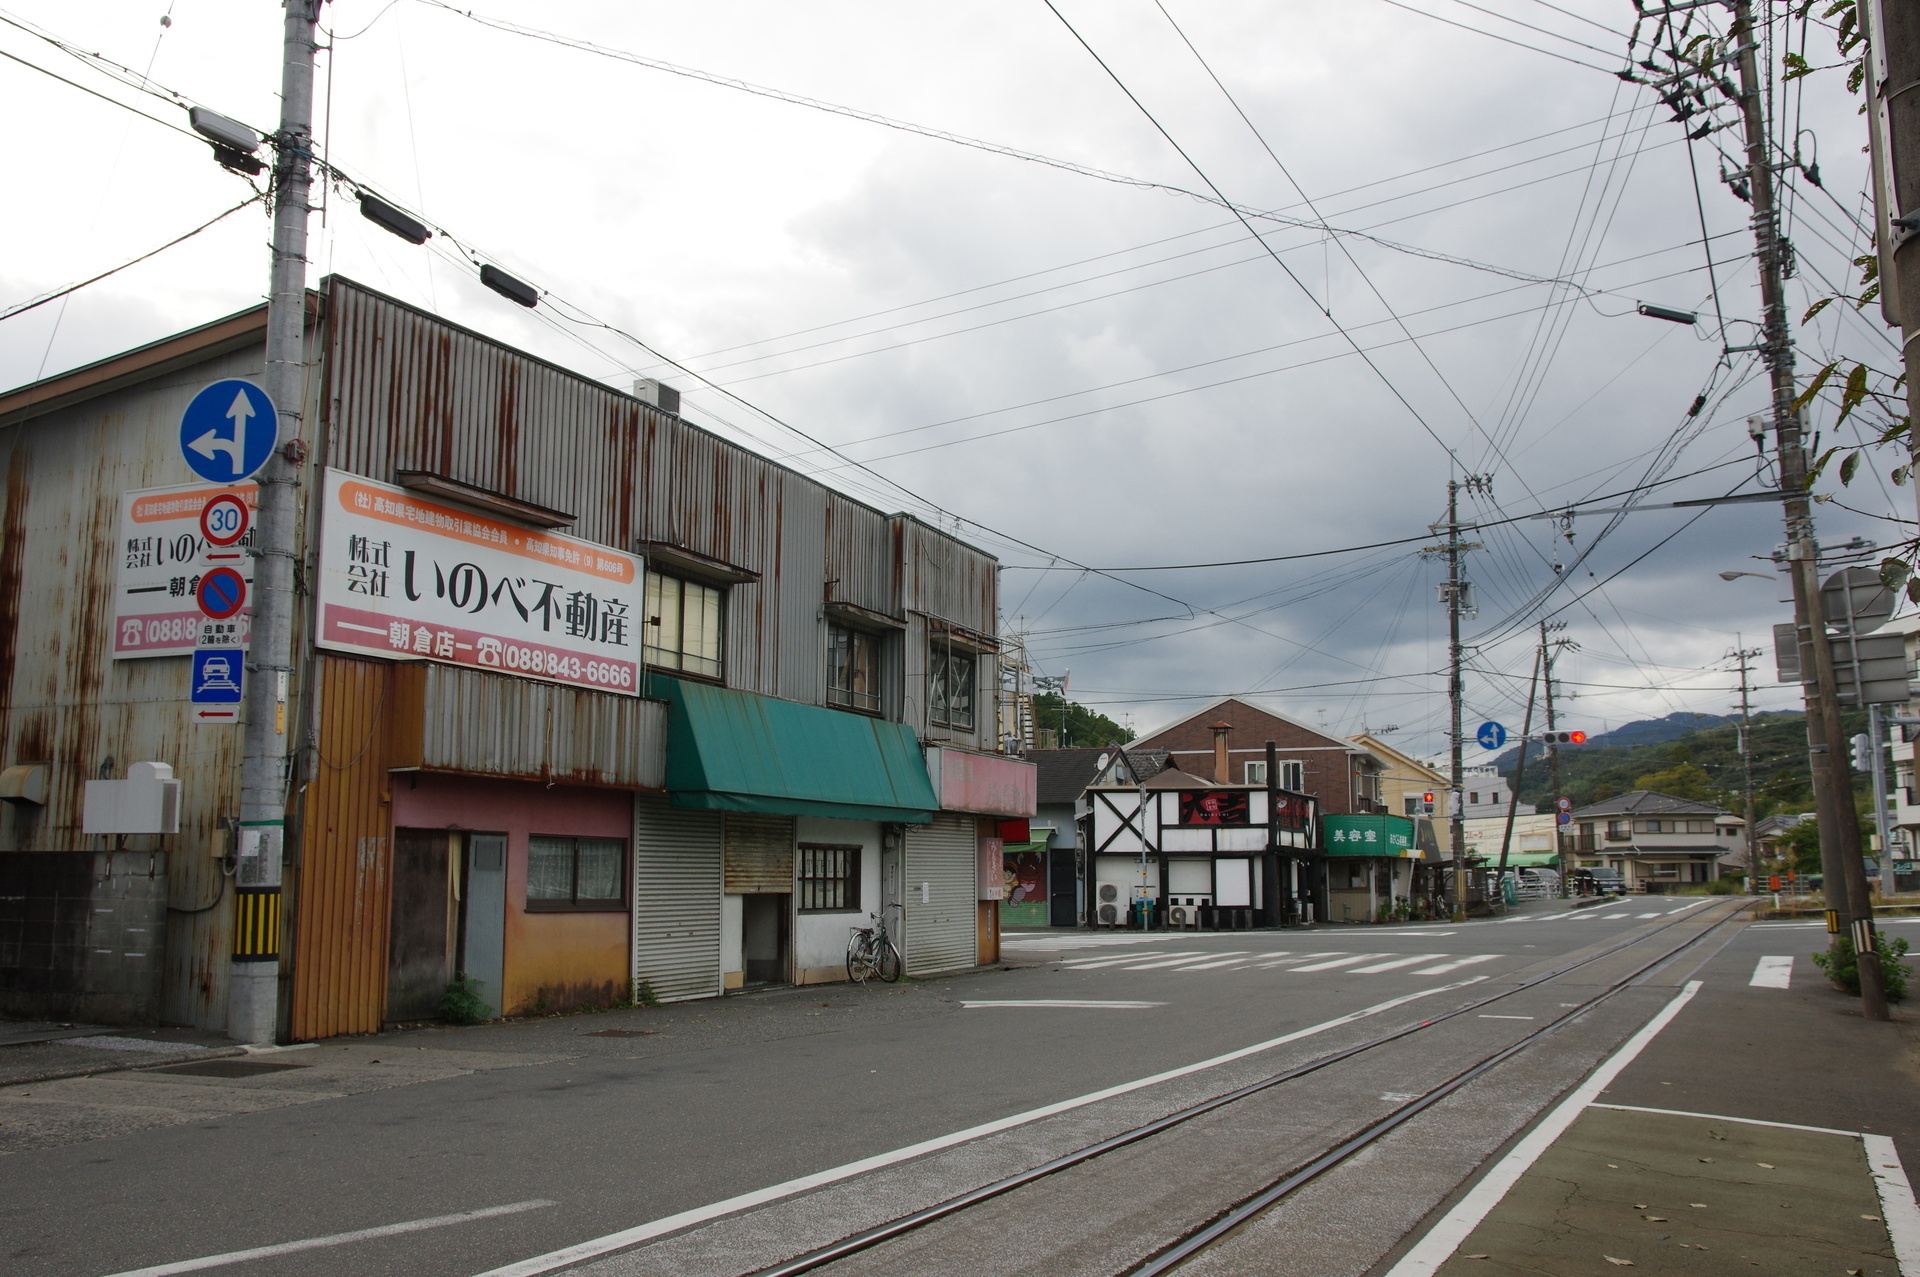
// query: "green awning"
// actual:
[[1020, 848], [1525, 860], [738, 751]]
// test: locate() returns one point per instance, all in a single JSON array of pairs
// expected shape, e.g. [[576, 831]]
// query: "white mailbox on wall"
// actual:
[[146, 802]]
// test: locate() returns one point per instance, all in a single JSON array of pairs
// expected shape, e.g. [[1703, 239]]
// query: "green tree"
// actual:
[[1081, 727], [1801, 847], [1682, 780]]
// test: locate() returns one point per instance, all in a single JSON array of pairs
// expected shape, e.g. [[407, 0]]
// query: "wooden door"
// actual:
[[421, 930]]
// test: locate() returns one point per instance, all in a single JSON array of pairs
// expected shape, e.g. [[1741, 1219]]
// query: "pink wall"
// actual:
[[575, 959]]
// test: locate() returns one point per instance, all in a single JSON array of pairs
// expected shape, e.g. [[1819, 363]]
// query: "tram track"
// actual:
[[1246, 1207]]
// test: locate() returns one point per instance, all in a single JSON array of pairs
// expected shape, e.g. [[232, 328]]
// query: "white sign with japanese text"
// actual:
[[159, 557], [412, 579]]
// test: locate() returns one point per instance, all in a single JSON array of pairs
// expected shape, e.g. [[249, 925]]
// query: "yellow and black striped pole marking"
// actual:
[[256, 924]]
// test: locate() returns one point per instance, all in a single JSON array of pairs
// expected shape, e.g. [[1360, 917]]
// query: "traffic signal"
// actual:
[[1863, 753], [1426, 803], [1564, 738]]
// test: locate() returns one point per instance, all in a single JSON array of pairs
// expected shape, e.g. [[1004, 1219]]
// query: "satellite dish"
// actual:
[[1856, 594], [1102, 764]]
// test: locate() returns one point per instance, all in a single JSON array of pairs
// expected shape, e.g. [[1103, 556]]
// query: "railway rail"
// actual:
[[1169, 1255]]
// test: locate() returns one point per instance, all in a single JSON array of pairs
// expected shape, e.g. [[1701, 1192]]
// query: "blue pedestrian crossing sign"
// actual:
[[217, 675], [1491, 736], [228, 431]]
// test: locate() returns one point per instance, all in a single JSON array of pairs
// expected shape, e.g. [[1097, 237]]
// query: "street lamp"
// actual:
[[1734, 576]]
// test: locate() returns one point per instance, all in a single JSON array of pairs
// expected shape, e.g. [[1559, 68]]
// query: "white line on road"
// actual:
[[1339, 962], [626, 1237], [1654, 914], [1457, 1224], [1773, 973], [1378, 967], [1456, 964], [1897, 1207], [1093, 964], [1064, 1002], [1298, 957], [1485, 1016], [1209, 966], [1180, 961], [335, 1239]]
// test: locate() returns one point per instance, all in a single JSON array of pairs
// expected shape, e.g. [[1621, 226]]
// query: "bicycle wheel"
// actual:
[[859, 961], [887, 964]]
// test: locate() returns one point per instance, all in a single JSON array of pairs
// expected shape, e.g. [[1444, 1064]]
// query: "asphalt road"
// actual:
[[592, 1135]]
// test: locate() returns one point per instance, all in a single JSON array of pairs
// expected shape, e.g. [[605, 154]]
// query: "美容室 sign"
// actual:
[[412, 579], [160, 554]]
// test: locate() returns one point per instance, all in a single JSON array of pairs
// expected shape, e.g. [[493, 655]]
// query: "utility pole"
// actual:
[[254, 981], [1893, 129], [1547, 653], [1520, 772], [1743, 656], [1877, 760], [1454, 592], [1845, 876]]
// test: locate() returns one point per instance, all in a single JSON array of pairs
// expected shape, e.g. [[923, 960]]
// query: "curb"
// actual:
[[87, 1070]]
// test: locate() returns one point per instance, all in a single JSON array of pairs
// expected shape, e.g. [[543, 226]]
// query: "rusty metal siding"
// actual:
[[408, 391], [343, 874], [67, 703], [946, 578], [449, 719], [860, 556]]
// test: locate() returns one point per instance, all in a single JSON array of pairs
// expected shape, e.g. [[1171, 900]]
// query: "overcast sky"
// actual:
[[1116, 374]]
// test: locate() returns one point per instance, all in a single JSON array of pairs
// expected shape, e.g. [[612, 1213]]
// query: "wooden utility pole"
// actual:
[[1845, 876], [1547, 654], [1454, 594], [1519, 772]]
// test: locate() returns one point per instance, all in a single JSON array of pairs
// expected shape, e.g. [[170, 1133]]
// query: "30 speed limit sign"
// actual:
[[225, 519]]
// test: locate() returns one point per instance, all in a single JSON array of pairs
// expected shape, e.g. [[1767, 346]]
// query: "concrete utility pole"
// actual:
[[1455, 591], [1877, 760], [1845, 875], [1743, 656], [254, 980], [1553, 747], [1520, 772], [1893, 128]]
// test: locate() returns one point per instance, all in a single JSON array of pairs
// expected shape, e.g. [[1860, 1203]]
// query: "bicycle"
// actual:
[[871, 952]]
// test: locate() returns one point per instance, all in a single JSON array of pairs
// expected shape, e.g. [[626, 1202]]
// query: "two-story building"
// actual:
[[587, 703], [1656, 841]]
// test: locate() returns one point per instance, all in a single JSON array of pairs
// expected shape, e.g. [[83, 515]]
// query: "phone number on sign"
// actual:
[[536, 660]]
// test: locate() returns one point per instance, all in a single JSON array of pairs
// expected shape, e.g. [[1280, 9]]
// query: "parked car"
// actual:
[[1599, 882]]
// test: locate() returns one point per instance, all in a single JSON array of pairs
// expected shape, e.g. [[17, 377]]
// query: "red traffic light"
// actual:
[[1564, 738], [1576, 738]]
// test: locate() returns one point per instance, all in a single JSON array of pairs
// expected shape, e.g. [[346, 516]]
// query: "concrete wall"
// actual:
[[820, 939]]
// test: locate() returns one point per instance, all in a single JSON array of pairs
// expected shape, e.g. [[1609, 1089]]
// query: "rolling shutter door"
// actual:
[[758, 855], [676, 900], [940, 928]]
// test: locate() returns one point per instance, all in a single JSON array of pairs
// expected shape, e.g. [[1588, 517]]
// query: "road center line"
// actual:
[[1773, 973], [334, 1239], [626, 1237], [1063, 1002]]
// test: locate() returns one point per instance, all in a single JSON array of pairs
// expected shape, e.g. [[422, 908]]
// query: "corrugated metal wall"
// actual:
[[343, 874], [676, 900], [449, 719], [940, 929]]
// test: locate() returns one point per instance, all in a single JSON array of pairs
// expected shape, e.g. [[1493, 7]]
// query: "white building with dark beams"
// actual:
[[1657, 841]]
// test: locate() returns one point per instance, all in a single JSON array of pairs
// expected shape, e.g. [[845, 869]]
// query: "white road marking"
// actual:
[[1175, 962], [1338, 962], [335, 1239], [1209, 966], [1297, 957], [1897, 1207], [1773, 973], [581, 1251], [1456, 964], [1456, 1225], [1484, 1016], [1064, 1002], [1616, 915], [1397, 962], [1650, 915], [1093, 964]]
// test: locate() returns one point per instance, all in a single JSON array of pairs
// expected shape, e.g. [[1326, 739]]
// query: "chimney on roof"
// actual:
[[1221, 766]]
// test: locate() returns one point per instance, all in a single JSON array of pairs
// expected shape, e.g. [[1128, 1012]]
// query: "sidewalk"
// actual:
[[1762, 1130]]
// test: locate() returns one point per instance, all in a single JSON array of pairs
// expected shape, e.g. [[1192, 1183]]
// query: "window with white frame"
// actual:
[[952, 675], [684, 625], [1256, 774]]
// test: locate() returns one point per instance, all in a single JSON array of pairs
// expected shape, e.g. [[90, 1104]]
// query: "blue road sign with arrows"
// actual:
[[1491, 736], [228, 431]]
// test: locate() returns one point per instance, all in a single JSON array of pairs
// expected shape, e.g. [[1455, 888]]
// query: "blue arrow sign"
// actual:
[[228, 431], [1491, 736], [217, 674]]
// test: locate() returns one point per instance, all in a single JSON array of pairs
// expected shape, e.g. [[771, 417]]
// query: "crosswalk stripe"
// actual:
[[1298, 957], [1208, 966], [1084, 965], [1180, 961], [1388, 966], [1456, 964], [1650, 915], [1773, 973], [1340, 962]]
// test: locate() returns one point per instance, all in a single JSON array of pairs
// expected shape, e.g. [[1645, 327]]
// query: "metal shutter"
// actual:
[[676, 900], [940, 931], [758, 854]]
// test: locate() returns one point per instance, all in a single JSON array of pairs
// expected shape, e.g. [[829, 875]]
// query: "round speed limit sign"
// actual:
[[225, 519]]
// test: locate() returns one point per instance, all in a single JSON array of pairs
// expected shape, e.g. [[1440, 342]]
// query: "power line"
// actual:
[[1521, 44], [44, 298]]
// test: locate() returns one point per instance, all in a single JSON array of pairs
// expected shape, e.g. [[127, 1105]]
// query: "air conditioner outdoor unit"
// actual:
[[1109, 911]]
